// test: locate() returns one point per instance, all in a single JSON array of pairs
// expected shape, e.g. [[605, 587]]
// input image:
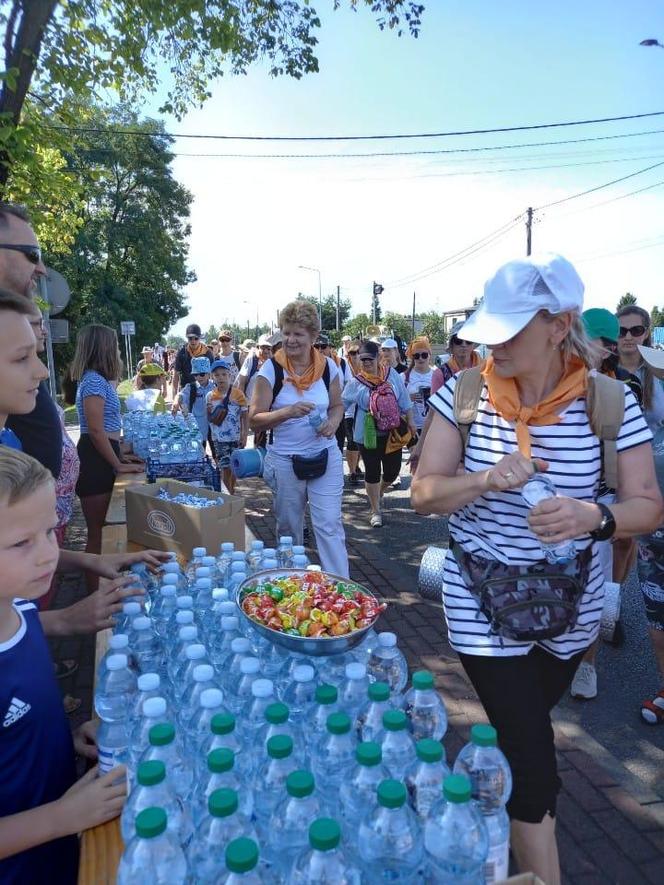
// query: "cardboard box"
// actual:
[[163, 525]]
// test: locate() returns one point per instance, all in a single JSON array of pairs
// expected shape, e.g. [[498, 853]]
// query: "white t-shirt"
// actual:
[[415, 381], [245, 372], [495, 525], [296, 436]]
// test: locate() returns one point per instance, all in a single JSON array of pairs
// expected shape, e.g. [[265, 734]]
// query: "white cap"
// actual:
[[199, 551], [195, 652], [262, 688], [389, 343], [314, 568], [203, 673], [257, 545], [517, 291], [153, 708], [185, 601], [148, 681], [203, 583], [116, 662], [238, 567], [211, 698], [170, 568], [227, 607], [286, 539], [303, 673], [169, 580], [240, 645], [238, 556], [188, 633], [387, 640], [203, 571], [141, 623], [269, 553], [227, 547], [346, 338], [265, 339], [229, 623], [219, 594], [355, 670], [167, 590], [184, 617], [118, 641], [209, 562], [249, 666], [131, 608], [300, 560]]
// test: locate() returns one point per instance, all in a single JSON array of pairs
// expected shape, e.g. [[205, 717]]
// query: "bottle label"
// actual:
[[110, 757], [497, 862]]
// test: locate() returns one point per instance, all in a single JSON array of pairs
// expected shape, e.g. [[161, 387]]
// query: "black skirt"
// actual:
[[96, 476]]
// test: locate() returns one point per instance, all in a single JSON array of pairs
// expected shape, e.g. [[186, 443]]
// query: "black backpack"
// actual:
[[279, 378]]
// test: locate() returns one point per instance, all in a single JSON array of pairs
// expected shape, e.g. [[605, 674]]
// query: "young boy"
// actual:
[[42, 806], [148, 396], [192, 397], [227, 412]]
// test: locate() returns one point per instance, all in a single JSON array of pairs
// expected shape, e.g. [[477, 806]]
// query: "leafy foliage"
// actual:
[[432, 327], [329, 310], [626, 299]]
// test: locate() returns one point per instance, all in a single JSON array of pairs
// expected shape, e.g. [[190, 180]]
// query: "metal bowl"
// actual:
[[303, 645]]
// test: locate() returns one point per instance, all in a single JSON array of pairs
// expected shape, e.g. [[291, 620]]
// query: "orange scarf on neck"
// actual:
[[504, 397], [304, 381], [199, 349], [454, 366], [375, 380]]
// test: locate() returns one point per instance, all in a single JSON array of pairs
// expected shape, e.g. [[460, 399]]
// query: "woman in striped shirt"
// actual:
[[531, 416]]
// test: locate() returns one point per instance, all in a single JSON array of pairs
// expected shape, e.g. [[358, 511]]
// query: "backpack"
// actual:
[[605, 407], [383, 405], [253, 369], [236, 360], [279, 378]]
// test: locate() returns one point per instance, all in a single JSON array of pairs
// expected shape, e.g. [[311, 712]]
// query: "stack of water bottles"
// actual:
[[250, 764]]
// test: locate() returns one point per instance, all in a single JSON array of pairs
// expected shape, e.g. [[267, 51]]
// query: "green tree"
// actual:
[[626, 300], [432, 327], [656, 317], [399, 325], [356, 327], [212, 334], [329, 305]]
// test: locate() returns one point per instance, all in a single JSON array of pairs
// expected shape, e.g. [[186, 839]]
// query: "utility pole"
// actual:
[[338, 299], [413, 322], [529, 230], [373, 303]]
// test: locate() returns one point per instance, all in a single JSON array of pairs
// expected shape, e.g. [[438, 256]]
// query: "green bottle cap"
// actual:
[[150, 822], [300, 784], [422, 680], [326, 694], [369, 753], [221, 759], [277, 714], [162, 734], [391, 794], [324, 834], [429, 750], [222, 723], [151, 773], [280, 746], [394, 720], [241, 855], [338, 723], [484, 735], [379, 691], [222, 802], [457, 788]]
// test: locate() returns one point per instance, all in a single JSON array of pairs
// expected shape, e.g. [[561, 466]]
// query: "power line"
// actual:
[[319, 138], [640, 190], [599, 187]]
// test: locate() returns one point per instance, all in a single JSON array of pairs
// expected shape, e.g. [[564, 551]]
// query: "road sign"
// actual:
[[58, 331], [128, 327], [57, 291]]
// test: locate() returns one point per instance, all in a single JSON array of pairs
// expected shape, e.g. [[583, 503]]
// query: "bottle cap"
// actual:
[[204, 584], [299, 550], [326, 694], [184, 601], [369, 753], [249, 666], [240, 645], [150, 773], [153, 708], [391, 794], [221, 759], [162, 734], [300, 784], [211, 698], [355, 671], [227, 608], [167, 590], [280, 746], [209, 562], [119, 641], [429, 750], [300, 560], [229, 623], [286, 539], [484, 735], [238, 556], [150, 822], [189, 632], [422, 680], [338, 723], [131, 608], [222, 803], [184, 617], [241, 855], [227, 547], [203, 672], [170, 568], [262, 688], [238, 568], [303, 673], [170, 579], [257, 545], [394, 720], [149, 681], [222, 723], [269, 553], [220, 594], [199, 552], [116, 662], [457, 788], [276, 714], [379, 691], [324, 834], [204, 571], [195, 651], [387, 640]]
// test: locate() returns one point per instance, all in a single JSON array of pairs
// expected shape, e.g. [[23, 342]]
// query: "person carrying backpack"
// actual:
[[519, 623], [383, 410]]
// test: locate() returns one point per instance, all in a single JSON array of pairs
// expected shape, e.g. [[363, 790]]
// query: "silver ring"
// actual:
[[508, 475]]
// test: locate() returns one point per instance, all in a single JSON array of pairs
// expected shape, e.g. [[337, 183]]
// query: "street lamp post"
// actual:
[[320, 291]]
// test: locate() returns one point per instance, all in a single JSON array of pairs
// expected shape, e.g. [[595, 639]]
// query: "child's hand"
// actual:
[[93, 800], [85, 739], [96, 611]]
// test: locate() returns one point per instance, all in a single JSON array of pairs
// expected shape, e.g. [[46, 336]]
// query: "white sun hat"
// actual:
[[654, 358], [519, 290]]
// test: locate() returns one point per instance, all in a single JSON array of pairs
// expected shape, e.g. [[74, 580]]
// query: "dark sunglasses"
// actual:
[[321, 346], [353, 352], [32, 253], [200, 374], [193, 337], [634, 331], [225, 340], [421, 356], [608, 344], [368, 359], [461, 342]]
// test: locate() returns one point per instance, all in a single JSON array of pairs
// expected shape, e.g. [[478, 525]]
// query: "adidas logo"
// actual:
[[17, 709]]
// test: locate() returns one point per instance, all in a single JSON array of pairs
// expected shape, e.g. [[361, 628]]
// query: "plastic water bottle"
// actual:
[[211, 703], [427, 716], [221, 648], [287, 835], [370, 716], [325, 861], [224, 823], [123, 620], [285, 552], [224, 734], [241, 863], [224, 560], [315, 418], [424, 780], [387, 664], [190, 703], [182, 603], [230, 674], [353, 692], [173, 568], [202, 594], [271, 780], [114, 701], [154, 712], [163, 746], [390, 838], [300, 562], [333, 668], [195, 562], [541, 487], [237, 577], [146, 647], [211, 563], [455, 836], [250, 672], [397, 744], [149, 686], [154, 854], [195, 655], [262, 696], [255, 557], [221, 773], [274, 662], [362, 651], [358, 794], [153, 790], [277, 721], [187, 635], [300, 695], [118, 644], [491, 782], [163, 608], [300, 550], [325, 703], [335, 754]]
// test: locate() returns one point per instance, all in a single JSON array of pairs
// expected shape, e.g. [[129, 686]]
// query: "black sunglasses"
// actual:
[[32, 253], [200, 374], [225, 340], [193, 337], [460, 342], [634, 331], [368, 359], [321, 346], [421, 356], [608, 344]]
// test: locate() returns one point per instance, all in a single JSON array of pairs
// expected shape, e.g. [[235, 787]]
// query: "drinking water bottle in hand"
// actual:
[[541, 487], [424, 780], [224, 823], [153, 790], [154, 854], [455, 836], [315, 418], [326, 861], [387, 664], [369, 722], [427, 717], [390, 839], [397, 744]]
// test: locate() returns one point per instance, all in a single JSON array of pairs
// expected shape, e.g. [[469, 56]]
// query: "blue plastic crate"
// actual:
[[202, 472]]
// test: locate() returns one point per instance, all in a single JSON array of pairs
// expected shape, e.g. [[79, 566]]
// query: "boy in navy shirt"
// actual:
[[42, 806]]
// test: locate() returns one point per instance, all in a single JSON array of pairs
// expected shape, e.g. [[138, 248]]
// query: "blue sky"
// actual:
[[475, 65]]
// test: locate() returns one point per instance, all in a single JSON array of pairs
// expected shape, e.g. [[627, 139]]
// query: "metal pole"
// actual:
[[320, 301], [413, 323], [373, 302], [529, 230], [50, 360], [338, 297]]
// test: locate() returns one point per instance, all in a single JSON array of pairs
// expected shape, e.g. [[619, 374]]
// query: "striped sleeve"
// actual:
[[443, 401], [93, 384], [634, 430]]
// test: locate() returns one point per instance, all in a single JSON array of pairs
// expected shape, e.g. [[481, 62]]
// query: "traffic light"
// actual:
[[377, 289]]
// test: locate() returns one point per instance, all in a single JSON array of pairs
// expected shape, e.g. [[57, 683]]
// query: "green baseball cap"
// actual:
[[600, 323]]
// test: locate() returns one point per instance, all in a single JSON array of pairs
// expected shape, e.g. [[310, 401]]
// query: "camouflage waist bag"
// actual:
[[526, 602]]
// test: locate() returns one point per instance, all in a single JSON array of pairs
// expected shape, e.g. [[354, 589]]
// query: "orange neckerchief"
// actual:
[[504, 397], [199, 350], [375, 380], [310, 376], [455, 367]]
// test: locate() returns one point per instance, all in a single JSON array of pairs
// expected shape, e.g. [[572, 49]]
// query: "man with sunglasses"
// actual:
[[182, 374], [21, 266], [228, 352]]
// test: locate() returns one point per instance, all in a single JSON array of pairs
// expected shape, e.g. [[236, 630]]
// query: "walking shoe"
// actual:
[[584, 684], [397, 483], [353, 479], [376, 521]]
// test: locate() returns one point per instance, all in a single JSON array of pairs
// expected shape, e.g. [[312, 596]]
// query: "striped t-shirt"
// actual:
[[495, 525], [94, 384]]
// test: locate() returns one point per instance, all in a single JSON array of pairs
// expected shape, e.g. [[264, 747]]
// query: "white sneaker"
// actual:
[[376, 521], [397, 483], [584, 684]]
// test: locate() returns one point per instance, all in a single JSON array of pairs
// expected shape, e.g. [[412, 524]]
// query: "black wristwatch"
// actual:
[[607, 527]]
